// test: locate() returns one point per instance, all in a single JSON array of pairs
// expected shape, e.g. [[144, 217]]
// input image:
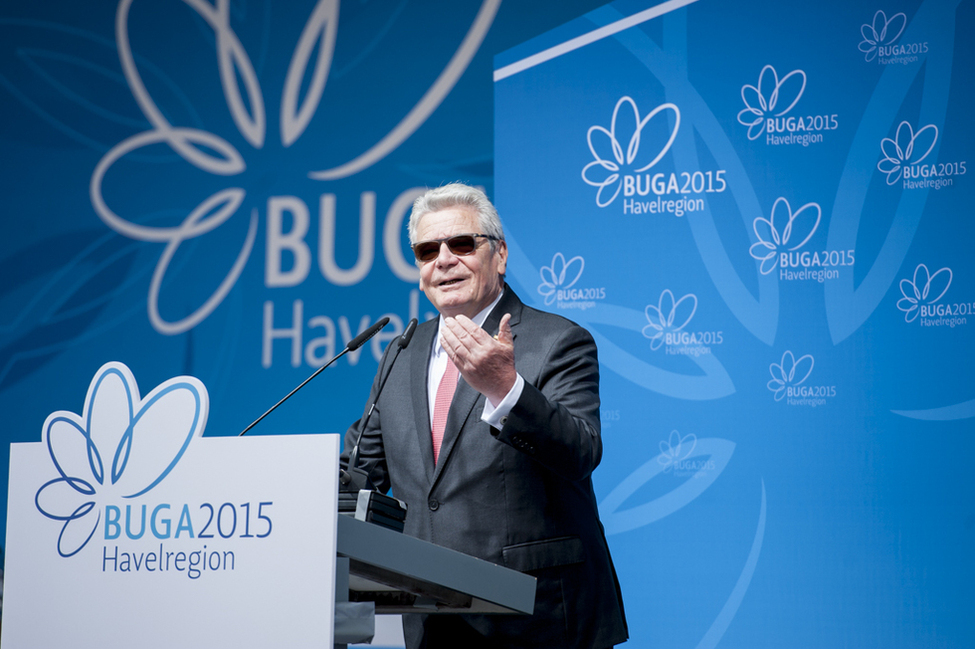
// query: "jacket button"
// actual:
[[433, 504]]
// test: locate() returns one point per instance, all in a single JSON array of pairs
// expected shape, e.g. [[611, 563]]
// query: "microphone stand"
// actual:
[[353, 479], [353, 345]]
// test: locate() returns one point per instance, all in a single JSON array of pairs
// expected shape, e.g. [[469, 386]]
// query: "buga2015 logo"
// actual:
[[880, 40], [906, 157], [921, 297], [789, 382], [120, 447], [667, 325], [781, 238], [611, 162], [205, 150], [675, 454], [767, 108], [648, 140], [559, 284]]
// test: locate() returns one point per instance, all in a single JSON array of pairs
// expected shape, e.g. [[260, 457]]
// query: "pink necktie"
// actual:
[[445, 393]]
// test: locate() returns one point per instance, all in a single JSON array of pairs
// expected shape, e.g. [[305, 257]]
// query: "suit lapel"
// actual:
[[466, 398], [420, 349]]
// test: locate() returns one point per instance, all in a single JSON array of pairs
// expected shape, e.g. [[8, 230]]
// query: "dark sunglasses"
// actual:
[[459, 244]]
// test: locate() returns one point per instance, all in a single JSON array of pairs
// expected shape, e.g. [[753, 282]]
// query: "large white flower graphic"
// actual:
[[784, 231], [923, 288], [789, 373], [676, 448], [554, 276], [882, 31], [647, 139], [203, 150], [120, 447], [772, 97], [906, 149], [668, 316]]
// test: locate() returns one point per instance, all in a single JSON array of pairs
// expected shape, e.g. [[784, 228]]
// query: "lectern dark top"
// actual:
[[401, 574]]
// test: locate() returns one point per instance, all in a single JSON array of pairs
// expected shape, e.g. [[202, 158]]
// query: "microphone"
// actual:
[[407, 336], [361, 339], [353, 345], [353, 478]]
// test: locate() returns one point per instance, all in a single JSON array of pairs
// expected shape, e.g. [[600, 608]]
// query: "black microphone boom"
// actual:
[[353, 479], [361, 339], [353, 345]]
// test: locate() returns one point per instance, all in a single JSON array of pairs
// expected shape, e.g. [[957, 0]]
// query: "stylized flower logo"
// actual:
[[782, 230], [882, 31], [790, 373], [905, 149], [668, 317], [924, 288], [120, 447], [303, 89], [610, 161], [766, 99], [675, 449], [554, 276]]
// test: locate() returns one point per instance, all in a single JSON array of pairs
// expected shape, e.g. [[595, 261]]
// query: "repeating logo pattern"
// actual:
[[882, 31], [771, 97], [783, 232], [791, 372], [905, 149], [923, 288], [647, 139], [675, 449], [559, 284], [105, 456], [668, 317], [560, 276]]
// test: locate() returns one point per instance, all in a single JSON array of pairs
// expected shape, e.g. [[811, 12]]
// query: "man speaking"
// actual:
[[488, 428]]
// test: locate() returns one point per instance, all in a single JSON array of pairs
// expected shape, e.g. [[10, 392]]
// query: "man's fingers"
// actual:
[[504, 330], [462, 333], [486, 362], [465, 329]]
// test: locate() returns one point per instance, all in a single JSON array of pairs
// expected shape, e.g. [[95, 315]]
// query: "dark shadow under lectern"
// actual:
[[382, 571]]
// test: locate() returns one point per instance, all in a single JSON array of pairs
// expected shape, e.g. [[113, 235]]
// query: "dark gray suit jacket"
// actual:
[[521, 496]]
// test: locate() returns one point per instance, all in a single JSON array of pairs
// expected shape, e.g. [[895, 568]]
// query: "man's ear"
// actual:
[[502, 252]]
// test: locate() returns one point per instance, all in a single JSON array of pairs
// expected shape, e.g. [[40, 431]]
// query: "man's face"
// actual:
[[462, 285]]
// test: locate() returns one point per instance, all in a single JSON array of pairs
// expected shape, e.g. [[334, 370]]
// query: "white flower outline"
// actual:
[[772, 240], [759, 106], [914, 296], [784, 373], [553, 277], [194, 146], [600, 164], [880, 32], [661, 318], [899, 151], [138, 463], [671, 449]]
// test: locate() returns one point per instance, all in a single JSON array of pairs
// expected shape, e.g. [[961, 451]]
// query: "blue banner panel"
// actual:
[[760, 211], [218, 189]]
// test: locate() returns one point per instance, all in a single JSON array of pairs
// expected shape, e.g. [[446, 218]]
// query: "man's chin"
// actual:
[[452, 304]]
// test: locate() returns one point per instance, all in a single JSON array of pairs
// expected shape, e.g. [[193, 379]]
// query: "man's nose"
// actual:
[[445, 257]]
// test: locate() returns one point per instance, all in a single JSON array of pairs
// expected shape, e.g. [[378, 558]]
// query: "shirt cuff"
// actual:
[[492, 415]]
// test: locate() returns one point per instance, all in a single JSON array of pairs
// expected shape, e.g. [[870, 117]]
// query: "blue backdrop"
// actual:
[[761, 212]]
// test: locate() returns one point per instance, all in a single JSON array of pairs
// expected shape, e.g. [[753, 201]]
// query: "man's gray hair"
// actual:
[[457, 195]]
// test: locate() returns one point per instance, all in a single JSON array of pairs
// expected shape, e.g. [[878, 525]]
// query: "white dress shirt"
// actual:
[[492, 413]]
